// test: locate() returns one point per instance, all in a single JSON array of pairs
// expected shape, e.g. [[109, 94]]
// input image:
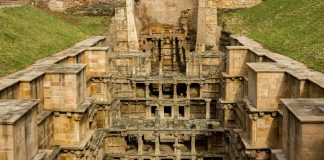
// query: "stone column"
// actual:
[[225, 108], [78, 155], [200, 67], [161, 62], [193, 144], [140, 144], [178, 154], [175, 94], [147, 90], [160, 68], [176, 142], [174, 50], [201, 90], [122, 157], [126, 157], [208, 109], [188, 90], [160, 91], [106, 114], [200, 158], [134, 89], [254, 118], [157, 143], [187, 66]]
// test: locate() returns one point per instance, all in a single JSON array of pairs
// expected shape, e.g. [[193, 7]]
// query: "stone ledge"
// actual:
[[6, 83], [237, 47], [97, 49], [43, 115], [267, 67], [84, 142], [306, 110], [13, 110], [83, 107], [90, 41], [252, 108], [66, 68]]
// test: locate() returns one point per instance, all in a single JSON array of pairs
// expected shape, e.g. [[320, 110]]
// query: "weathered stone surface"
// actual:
[[158, 88]]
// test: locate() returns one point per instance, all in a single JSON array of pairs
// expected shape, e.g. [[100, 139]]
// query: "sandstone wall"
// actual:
[[164, 11], [267, 78]]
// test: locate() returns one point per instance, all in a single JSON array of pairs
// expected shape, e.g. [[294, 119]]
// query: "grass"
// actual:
[[28, 34], [294, 28]]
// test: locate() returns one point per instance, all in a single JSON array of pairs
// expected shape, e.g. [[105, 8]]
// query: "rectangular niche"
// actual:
[[140, 90], [167, 111], [181, 111], [153, 111], [194, 90], [167, 90], [182, 90]]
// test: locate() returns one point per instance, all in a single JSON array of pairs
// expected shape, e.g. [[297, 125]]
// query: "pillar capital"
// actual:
[[140, 134], [207, 100], [176, 135], [178, 146], [123, 134], [253, 116]]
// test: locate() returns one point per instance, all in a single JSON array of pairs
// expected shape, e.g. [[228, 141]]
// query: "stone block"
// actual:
[[304, 119], [266, 84], [64, 86], [18, 129], [236, 59]]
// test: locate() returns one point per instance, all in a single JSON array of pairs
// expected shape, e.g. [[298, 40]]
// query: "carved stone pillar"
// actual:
[[226, 110], [160, 68], [187, 67], [254, 118], [188, 90], [157, 143], [175, 94], [176, 142], [193, 144], [200, 158], [178, 154], [208, 109], [175, 111], [193, 157], [147, 90], [134, 89], [201, 90], [140, 144], [200, 68], [161, 63], [160, 91]]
